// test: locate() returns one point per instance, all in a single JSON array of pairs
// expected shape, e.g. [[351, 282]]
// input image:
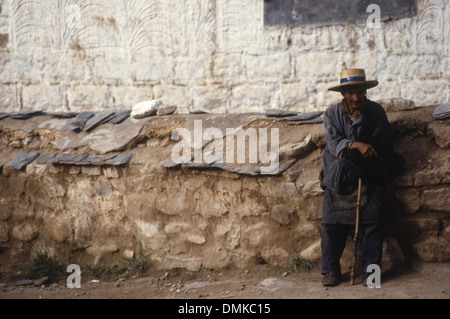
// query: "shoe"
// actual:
[[330, 280]]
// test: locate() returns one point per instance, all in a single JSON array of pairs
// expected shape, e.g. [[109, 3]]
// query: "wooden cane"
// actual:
[[355, 237]]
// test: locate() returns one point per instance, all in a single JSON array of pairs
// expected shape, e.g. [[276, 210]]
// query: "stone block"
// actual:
[[174, 202], [59, 228], [91, 170], [434, 249], [8, 98], [271, 67], [208, 206], [436, 199], [313, 252], [127, 96], [47, 97], [282, 214], [88, 97], [25, 232], [182, 261]]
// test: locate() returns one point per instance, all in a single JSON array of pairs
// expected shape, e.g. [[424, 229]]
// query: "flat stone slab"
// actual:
[[280, 113], [22, 159], [105, 138]]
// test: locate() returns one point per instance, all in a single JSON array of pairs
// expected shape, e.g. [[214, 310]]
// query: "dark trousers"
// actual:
[[334, 238]]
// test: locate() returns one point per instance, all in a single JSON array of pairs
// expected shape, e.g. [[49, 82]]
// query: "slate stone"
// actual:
[[47, 159], [71, 158], [64, 115], [120, 116], [120, 160], [80, 121], [26, 114], [24, 282], [442, 112], [316, 120], [198, 112], [98, 119], [4, 115], [279, 113], [96, 160], [22, 159], [305, 116], [169, 164]]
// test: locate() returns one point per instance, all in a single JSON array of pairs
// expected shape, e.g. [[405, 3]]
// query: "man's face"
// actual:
[[355, 97]]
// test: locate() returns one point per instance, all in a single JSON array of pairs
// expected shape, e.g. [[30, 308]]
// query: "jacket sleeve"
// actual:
[[335, 135]]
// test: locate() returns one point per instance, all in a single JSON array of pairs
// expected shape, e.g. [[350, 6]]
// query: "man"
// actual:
[[357, 133]]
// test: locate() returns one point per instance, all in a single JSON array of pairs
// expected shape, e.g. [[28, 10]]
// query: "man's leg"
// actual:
[[371, 236], [334, 239]]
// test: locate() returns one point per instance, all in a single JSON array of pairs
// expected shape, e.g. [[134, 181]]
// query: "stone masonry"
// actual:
[[93, 197]]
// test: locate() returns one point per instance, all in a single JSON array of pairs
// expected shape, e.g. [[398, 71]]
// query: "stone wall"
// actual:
[[90, 209], [206, 54]]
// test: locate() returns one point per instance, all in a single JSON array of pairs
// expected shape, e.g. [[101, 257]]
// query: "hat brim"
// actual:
[[365, 84]]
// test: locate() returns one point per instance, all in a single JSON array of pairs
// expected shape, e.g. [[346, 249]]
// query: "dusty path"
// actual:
[[421, 281]]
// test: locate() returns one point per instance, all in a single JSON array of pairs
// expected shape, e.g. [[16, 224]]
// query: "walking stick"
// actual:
[[355, 237]]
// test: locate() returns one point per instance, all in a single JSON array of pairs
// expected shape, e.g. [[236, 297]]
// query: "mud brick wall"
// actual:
[[94, 197]]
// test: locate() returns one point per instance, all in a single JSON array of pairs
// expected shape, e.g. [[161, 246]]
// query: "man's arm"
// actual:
[[337, 141]]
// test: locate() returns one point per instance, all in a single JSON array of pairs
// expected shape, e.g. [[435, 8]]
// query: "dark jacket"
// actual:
[[371, 127]]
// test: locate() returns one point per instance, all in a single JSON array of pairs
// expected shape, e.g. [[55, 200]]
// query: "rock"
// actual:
[[22, 159], [282, 214], [273, 284], [166, 110], [120, 116], [442, 112], [26, 114], [297, 149], [440, 131], [98, 119], [313, 252], [25, 232], [315, 120], [79, 122], [24, 282], [145, 109], [39, 282], [118, 160], [279, 113], [47, 159], [145, 280], [312, 189], [434, 249]]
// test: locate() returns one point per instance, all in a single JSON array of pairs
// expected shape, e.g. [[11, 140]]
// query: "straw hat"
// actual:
[[353, 77]]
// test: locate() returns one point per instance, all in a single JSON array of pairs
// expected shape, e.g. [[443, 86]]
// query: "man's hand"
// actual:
[[366, 150]]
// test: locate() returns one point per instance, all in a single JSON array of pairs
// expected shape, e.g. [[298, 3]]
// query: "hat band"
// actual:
[[352, 79]]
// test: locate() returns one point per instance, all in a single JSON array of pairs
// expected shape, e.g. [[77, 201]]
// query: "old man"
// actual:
[[358, 146]]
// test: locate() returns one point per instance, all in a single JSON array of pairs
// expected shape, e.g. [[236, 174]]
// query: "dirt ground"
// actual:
[[419, 281]]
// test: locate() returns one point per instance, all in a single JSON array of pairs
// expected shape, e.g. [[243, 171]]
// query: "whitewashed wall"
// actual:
[[58, 55]]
